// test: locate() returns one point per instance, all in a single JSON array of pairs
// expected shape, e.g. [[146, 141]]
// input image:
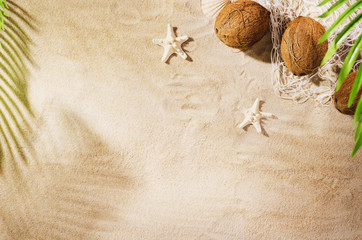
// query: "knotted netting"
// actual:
[[319, 86]]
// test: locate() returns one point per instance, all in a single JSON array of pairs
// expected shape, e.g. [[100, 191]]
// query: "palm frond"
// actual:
[[324, 2], [358, 132], [16, 118], [358, 138], [340, 20], [333, 8], [340, 38], [349, 61], [356, 87], [3, 13], [358, 113]]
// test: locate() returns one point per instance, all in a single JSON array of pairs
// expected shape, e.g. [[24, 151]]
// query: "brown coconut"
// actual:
[[242, 23], [300, 49], [341, 97]]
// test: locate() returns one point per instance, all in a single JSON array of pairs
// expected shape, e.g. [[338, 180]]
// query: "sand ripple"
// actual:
[[131, 13]]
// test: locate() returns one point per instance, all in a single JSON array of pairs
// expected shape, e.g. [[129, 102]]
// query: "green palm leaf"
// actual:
[[324, 2], [333, 8], [3, 6], [358, 131], [340, 38], [358, 113], [356, 87], [358, 134], [340, 20], [16, 118], [349, 61], [358, 138]]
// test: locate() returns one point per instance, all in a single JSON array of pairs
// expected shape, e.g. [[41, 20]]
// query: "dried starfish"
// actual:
[[171, 44], [253, 116]]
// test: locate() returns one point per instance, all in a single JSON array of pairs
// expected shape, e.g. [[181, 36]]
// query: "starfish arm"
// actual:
[[170, 32], [266, 115], [182, 54], [182, 39], [257, 126], [256, 106], [167, 53], [244, 123]]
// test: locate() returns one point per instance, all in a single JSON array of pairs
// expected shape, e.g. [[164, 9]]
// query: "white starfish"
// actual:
[[253, 116], [171, 44]]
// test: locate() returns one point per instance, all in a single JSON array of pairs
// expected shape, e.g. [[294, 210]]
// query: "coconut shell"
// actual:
[[341, 97], [300, 49], [242, 23]]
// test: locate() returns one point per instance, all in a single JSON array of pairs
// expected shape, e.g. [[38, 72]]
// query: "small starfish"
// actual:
[[253, 116], [172, 44]]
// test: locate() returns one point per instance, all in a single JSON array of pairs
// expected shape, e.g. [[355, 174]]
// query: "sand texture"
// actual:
[[132, 148]]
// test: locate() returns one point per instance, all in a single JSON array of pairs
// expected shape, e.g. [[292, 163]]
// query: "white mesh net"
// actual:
[[320, 85]]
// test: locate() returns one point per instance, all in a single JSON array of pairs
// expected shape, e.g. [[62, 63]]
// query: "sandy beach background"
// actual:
[[132, 148]]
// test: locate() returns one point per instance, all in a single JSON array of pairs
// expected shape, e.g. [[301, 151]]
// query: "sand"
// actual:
[[132, 148]]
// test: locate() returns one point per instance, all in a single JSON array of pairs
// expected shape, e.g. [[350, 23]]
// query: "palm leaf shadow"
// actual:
[[16, 117]]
